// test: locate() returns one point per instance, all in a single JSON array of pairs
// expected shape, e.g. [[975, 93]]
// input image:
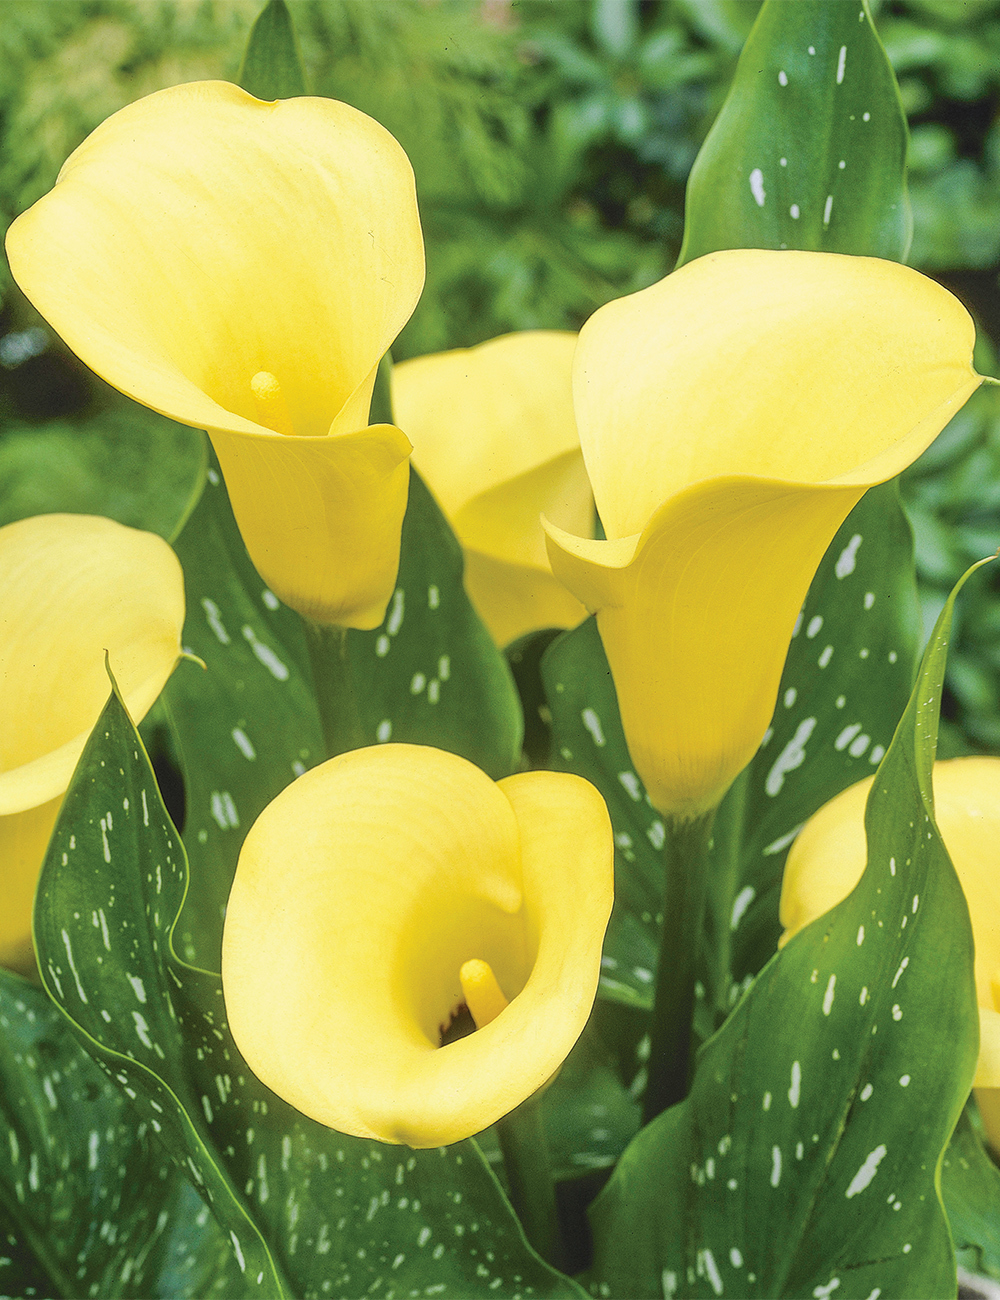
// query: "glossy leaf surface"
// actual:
[[826, 1084], [809, 148], [72, 1154], [431, 674]]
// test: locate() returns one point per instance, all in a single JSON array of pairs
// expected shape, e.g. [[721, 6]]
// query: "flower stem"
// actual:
[[686, 863], [334, 683], [532, 1192]]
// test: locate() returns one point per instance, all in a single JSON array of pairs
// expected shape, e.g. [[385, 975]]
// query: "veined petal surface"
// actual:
[[360, 893], [74, 587], [496, 441], [828, 858], [242, 267], [730, 417]]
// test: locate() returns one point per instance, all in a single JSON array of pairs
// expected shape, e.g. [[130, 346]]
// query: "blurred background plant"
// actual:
[[551, 141]]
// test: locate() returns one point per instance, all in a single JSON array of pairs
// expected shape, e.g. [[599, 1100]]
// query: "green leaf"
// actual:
[[71, 1157], [272, 64], [804, 1161], [431, 674], [970, 1187], [308, 1211], [810, 146], [247, 726], [587, 739], [845, 685]]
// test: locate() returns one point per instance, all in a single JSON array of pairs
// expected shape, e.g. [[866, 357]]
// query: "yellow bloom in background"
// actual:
[[730, 417], [496, 441], [382, 891], [242, 267], [828, 859], [74, 586]]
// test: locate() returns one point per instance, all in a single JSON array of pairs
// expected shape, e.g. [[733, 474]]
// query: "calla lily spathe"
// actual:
[[384, 889], [730, 417], [242, 267], [828, 859], [496, 440], [74, 586]]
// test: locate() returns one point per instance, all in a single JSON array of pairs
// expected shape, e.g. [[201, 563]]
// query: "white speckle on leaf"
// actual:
[[867, 1171], [265, 655], [757, 186], [244, 744], [593, 724], [740, 904], [383, 731], [632, 784], [223, 810], [72, 965], [782, 78], [395, 620], [841, 64], [775, 1166], [213, 616], [828, 995], [795, 1089], [848, 558], [791, 757], [782, 842], [846, 736], [711, 1270], [793, 212]]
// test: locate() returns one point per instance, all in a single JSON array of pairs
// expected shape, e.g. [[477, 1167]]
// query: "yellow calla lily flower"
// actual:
[[730, 417], [242, 267], [828, 859], [496, 441], [74, 586], [379, 894]]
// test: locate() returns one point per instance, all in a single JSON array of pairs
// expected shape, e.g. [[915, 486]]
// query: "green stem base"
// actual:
[[334, 683], [686, 862], [532, 1192]]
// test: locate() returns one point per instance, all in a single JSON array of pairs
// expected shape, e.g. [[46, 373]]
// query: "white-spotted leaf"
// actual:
[[804, 1161]]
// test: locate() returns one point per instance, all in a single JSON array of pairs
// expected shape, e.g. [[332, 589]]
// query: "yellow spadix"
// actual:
[[495, 438], [242, 267], [73, 586], [730, 417], [384, 890], [828, 858]]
